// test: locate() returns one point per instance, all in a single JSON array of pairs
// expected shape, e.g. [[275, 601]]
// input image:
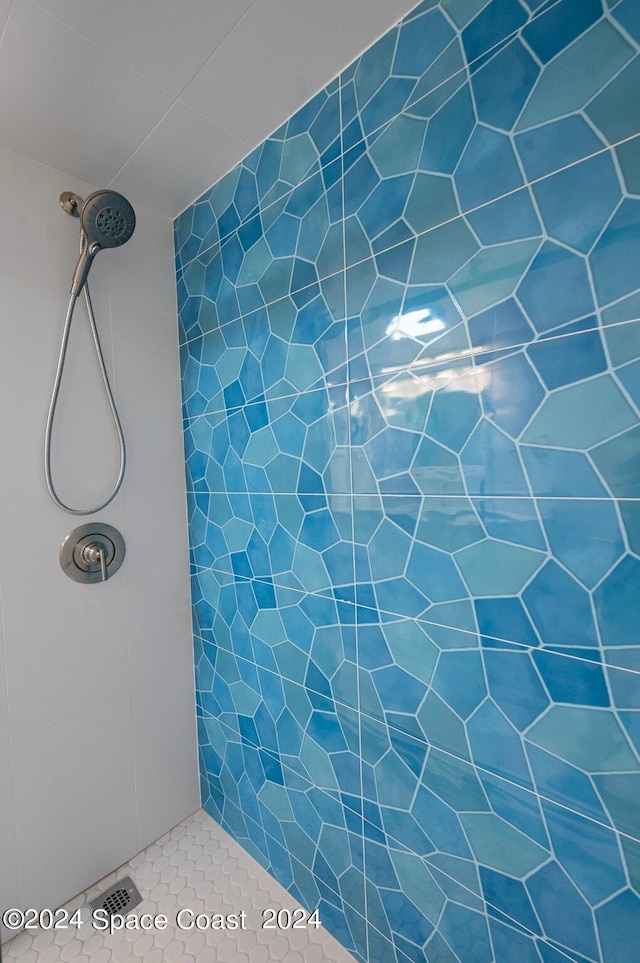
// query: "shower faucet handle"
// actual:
[[94, 553]]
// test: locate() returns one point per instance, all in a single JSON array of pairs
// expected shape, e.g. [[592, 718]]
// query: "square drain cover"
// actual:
[[119, 898]]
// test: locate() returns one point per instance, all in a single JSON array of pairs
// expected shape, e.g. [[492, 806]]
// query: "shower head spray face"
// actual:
[[108, 220]]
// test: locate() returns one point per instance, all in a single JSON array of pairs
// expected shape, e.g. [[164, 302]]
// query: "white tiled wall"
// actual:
[[94, 679]]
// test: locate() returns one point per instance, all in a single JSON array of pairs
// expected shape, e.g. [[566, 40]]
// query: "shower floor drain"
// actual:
[[121, 898]]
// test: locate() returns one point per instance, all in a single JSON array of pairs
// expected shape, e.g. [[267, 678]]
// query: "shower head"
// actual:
[[108, 220]]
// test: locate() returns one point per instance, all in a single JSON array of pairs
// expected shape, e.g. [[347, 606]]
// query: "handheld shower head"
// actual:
[[108, 220]]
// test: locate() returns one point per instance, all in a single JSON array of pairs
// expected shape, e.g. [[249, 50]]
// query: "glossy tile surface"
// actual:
[[411, 435]]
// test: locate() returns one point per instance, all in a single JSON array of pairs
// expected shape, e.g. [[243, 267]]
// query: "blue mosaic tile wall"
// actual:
[[411, 376]]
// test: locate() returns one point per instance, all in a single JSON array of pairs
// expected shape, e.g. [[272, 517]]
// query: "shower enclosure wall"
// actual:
[[97, 738], [409, 325]]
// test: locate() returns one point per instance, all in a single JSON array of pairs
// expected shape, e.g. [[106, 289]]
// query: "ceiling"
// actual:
[[159, 98]]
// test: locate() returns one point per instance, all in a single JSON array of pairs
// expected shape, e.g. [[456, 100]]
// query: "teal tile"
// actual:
[[623, 667], [299, 154], [436, 471], [411, 648], [614, 256], [431, 202], [398, 149], [492, 275], [572, 417], [463, 11], [617, 604], [442, 727], [629, 159], [404, 401], [623, 339], [572, 79], [616, 111], [619, 926], [501, 847], [620, 794], [495, 568], [441, 252], [630, 512], [448, 523], [583, 535], [418, 884], [454, 782], [587, 851], [588, 738], [618, 461]]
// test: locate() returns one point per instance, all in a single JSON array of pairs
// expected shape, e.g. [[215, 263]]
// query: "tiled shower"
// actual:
[[411, 381]]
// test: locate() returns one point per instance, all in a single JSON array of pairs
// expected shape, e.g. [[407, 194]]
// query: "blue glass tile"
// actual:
[[492, 275], [564, 360], [615, 252], [579, 72], [628, 16], [561, 473], [505, 618], [546, 149], [456, 117], [508, 895], [463, 11], [559, 26], [444, 827], [617, 603], [431, 202], [455, 782], [512, 393], [515, 686], [570, 418], [502, 326], [438, 83], [619, 794], [615, 111], [491, 464], [556, 288], [385, 204], [583, 535], [448, 523], [578, 679], [630, 379], [502, 85], [618, 460], [567, 785], [496, 745], [631, 518], [507, 219], [434, 574], [561, 196], [588, 853], [420, 42], [459, 680], [559, 608], [441, 252], [619, 926], [563, 912], [466, 933], [498, 20], [517, 806], [487, 170], [508, 943]]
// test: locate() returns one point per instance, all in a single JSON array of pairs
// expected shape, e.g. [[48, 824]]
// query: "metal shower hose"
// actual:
[[54, 401]]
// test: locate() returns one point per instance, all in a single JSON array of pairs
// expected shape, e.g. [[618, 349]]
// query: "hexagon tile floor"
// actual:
[[199, 867]]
